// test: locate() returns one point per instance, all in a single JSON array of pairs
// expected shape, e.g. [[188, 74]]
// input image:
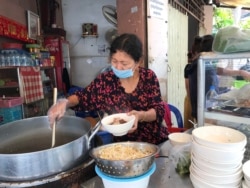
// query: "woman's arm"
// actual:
[[187, 86], [231, 72], [147, 116], [72, 101]]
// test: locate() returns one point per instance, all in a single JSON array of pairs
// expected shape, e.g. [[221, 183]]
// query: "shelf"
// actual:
[[226, 117], [6, 87], [8, 67], [13, 29], [46, 67], [15, 89], [85, 35]]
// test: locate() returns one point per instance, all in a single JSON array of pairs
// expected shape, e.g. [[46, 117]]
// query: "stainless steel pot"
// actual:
[[25, 147]]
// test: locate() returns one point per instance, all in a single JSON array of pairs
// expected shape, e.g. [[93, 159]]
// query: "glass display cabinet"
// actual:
[[223, 72]]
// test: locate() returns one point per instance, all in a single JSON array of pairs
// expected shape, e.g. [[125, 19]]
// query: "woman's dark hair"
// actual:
[[207, 43], [196, 47], [128, 43]]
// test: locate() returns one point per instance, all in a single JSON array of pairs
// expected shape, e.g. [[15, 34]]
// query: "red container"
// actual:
[[10, 102]]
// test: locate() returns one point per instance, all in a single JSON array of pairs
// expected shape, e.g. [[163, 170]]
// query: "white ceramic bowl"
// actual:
[[206, 167], [198, 182], [232, 179], [221, 165], [244, 184], [216, 155], [220, 137], [136, 182], [179, 138], [246, 170], [120, 129]]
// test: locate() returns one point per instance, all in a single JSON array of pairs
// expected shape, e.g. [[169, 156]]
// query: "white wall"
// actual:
[[177, 57], [157, 17], [208, 22], [86, 60]]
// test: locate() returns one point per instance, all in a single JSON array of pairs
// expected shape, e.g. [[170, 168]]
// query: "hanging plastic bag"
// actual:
[[232, 39], [180, 156]]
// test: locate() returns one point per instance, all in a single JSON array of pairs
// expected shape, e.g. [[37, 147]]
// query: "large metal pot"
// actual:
[[25, 147]]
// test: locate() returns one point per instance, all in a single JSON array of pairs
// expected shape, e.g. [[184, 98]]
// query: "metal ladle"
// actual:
[[54, 124]]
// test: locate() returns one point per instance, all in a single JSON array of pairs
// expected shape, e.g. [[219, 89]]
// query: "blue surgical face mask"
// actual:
[[123, 73]]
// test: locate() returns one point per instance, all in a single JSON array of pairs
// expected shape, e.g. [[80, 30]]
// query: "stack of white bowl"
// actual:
[[246, 173], [216, 157]]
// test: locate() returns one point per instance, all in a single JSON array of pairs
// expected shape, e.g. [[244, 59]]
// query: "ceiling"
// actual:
[[241, 3]]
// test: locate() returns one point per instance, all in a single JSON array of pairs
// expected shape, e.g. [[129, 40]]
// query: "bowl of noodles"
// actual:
[[125, 159], [118, 124]]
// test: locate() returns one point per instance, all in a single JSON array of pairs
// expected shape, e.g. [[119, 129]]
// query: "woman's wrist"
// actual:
[[72, 101], [143, 116]]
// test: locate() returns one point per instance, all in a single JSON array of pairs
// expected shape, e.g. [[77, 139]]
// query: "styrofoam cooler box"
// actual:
[[10, 109]]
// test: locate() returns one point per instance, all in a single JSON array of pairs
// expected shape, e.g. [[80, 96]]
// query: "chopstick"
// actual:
[[54, 124]]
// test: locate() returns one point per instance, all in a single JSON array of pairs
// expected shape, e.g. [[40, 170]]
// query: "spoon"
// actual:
[[54, 124], [194, 124]]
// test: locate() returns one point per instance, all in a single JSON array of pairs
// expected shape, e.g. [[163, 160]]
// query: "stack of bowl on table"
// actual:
[[246, 174], [124, 164], [216, 157]]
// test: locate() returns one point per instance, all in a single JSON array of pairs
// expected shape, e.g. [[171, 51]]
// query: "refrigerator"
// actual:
[[59, 48]]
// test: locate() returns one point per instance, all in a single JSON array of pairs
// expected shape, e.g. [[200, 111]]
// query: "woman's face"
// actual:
[[122, 61]]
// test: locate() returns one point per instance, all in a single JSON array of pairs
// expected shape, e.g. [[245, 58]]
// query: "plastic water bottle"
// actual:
[[2, 60], [7, 59], [211, 98], [23, 60], [12, 58], [17, 59]]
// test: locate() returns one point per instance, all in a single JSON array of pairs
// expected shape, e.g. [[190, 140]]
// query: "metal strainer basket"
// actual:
[[126, 168]]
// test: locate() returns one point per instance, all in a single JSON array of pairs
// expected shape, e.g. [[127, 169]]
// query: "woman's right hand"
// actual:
[[57, 110]]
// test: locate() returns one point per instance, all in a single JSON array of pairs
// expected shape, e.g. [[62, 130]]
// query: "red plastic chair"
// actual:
[[167, 117]]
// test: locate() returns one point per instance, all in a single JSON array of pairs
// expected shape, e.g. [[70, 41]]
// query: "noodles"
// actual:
[[121, 152]]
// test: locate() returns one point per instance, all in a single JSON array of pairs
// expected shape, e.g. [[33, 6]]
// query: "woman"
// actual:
[[127, 87], [205, 45], [192, 56]]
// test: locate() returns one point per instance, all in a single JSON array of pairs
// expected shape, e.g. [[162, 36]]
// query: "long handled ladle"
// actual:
[[54, 124]]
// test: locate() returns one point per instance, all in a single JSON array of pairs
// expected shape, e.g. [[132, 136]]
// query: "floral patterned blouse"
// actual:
[[106, 93]]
